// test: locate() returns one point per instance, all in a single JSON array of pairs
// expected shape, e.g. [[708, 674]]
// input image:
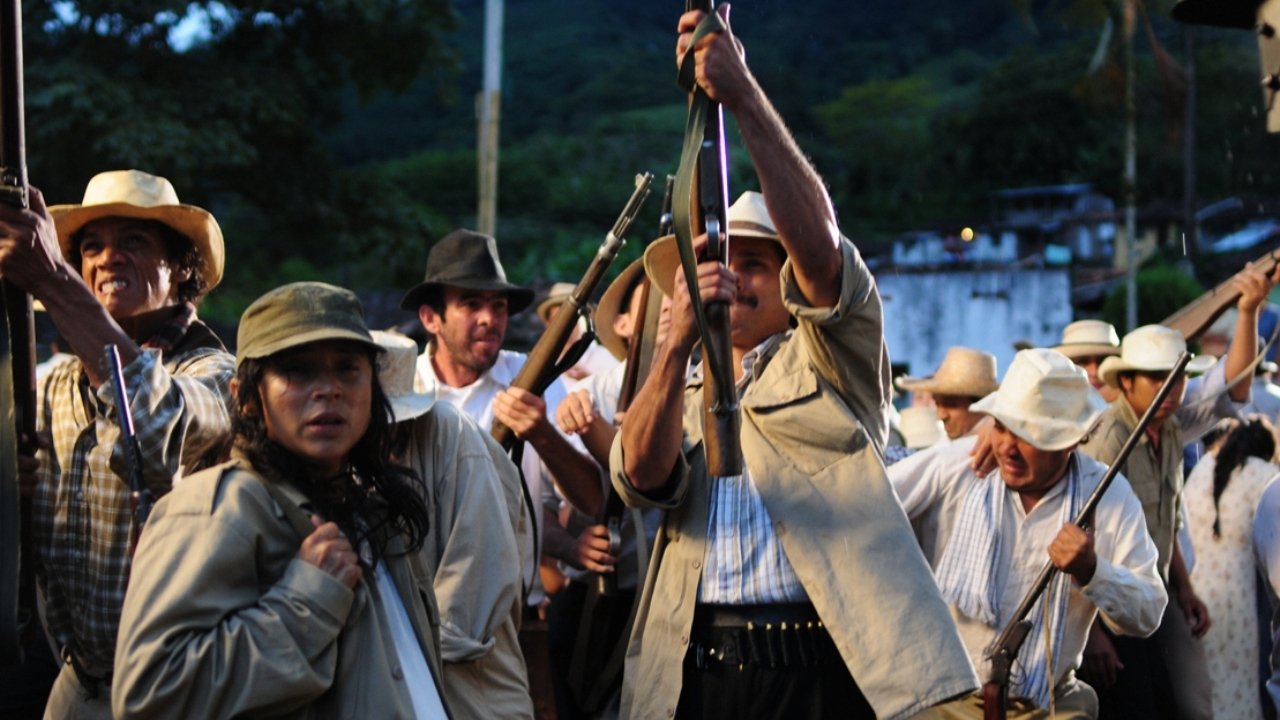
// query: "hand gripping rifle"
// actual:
[[1196, 316], [140, 499], [1003, 652], [703, 179], [541, 368], [595, 668], [17, 361]]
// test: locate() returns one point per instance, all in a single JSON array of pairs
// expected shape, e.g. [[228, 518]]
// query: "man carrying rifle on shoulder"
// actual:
[[126, 267], [794, 589], [464, 302], [987, 535]]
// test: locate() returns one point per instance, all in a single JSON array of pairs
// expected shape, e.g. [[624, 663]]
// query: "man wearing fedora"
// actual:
[[989, 535], [127, 267], [1168, 670], [464, 302], [810, 536], [964, 377]]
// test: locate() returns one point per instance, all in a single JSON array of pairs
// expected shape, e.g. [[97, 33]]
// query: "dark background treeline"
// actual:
[[335, 139]]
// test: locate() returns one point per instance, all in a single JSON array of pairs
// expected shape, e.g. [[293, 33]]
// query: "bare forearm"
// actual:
[[577, 475], [1244, 347], [653, 432], [599, 439], [1179, 578]]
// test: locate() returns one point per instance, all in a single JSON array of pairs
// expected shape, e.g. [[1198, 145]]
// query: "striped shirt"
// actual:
[[744, 563], [81, 516]]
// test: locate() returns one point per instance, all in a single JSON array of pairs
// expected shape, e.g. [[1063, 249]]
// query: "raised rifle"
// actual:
[[17, 362], [702, 178], [541, 367], [1004, 651], [1196, 316], [140, 498]]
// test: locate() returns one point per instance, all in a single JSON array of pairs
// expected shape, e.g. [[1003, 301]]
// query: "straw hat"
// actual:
[[748, 217], [1084, 338], [135, 194], [615, 302], [397, 366], [297, 314], [556, 297], [469, 260], [1045, 399], [964, 371], [920, 427], [1150, 348]]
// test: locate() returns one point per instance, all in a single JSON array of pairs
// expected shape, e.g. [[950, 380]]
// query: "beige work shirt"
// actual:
[[812, 421]]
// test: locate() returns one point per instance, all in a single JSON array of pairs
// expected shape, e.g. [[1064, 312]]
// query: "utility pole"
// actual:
[[488, 114], [1130, 167], [1190, 229]]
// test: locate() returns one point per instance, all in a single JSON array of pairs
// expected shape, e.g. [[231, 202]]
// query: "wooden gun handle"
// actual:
[[994, 702], [1196, 316]]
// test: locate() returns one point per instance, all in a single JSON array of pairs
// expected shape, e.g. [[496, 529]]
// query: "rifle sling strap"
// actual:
[[700, 106]]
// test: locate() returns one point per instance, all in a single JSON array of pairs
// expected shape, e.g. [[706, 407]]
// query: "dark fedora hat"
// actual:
[[469, 260], [1222, 13]]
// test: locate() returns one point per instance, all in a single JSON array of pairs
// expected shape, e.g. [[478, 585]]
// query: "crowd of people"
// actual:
[[339, 535]]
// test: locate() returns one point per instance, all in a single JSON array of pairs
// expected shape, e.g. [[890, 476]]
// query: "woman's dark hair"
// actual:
[[1255, 438], [374, 499], [182, 253]]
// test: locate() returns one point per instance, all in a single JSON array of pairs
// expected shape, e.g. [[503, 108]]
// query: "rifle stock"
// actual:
[[1196, 316], [18, 385], [541, 367], [1005, 649]]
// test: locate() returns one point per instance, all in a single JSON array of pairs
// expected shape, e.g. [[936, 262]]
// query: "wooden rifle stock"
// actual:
[[1196, 316], [541, 367], [1005, 649], [704, 171], [18, 385]]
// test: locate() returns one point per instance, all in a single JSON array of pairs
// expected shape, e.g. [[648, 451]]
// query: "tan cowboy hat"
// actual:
[[397, 367], [1084, 338], [556, 297], [1045, 399], [963, 371], [920, 427], [748, 217], [615, 302], [1150, 348], [135, 194]]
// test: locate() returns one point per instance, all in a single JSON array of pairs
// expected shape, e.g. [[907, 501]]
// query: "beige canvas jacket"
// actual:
[[811, 425], [222, 620], [477, 509]]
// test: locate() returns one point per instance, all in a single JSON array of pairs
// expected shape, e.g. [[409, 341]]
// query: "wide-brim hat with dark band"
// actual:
[[135, 194], [469, 260], [1151, 348], [1089, 338], [1222, 13], [297, 314], [748, 217], [963, 371], [613, 303]]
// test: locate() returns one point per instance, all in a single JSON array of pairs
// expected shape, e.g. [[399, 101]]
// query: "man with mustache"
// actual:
[[464, 302], [126, 267], [794, 589]]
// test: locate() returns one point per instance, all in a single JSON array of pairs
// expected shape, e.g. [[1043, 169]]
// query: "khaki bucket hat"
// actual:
[[1045, 399], [1152, 348], [748, 217], [963, 371], [298, 314], [1084, 338], [397, 367], [135, 194]]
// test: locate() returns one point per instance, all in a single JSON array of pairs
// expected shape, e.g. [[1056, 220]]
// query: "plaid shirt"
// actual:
[[82, 519]]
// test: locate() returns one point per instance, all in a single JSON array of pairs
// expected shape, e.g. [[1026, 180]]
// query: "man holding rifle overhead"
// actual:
[[794, 589], [988, 536], [128, 267]]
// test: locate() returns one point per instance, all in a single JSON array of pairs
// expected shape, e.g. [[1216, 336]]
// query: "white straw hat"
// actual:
[[748, 217], [1083, 338], [963, 371], [920, 427], [397, 366], [1150, 348], [1045, 399]]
